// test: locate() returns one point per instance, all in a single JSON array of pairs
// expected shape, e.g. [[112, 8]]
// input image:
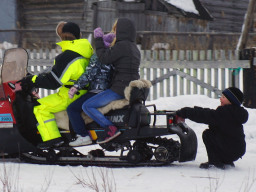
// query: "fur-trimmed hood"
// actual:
[[141, 83]]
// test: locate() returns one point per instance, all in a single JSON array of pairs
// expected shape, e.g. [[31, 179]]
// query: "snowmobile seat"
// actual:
[[136, 92]]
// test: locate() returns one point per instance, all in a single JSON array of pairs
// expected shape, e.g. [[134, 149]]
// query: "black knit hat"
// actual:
[[68, 29], [72, 28], [234, 95]]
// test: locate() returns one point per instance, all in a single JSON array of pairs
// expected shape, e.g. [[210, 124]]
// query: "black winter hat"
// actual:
[[68, 29], [234, 95], [72, 28]]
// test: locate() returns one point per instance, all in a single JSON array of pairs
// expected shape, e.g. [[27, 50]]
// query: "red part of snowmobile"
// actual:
[[13, 68]]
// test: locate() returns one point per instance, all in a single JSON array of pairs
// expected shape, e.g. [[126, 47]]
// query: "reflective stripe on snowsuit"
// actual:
[[63, 73], [44, 113]]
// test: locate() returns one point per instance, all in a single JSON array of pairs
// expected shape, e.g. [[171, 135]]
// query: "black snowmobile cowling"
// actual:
[[142, 141]]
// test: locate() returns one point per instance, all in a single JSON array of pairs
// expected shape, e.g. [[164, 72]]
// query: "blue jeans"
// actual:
[[74, 111], [101, 99]]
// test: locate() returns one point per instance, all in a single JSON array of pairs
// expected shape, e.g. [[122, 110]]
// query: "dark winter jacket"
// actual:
[[98, 76], [225, 122], [124, 55]]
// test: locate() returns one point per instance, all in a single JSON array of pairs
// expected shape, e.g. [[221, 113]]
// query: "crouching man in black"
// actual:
[[225, 139]]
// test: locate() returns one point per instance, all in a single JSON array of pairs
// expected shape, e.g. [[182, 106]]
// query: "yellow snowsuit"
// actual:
[[68, 67]]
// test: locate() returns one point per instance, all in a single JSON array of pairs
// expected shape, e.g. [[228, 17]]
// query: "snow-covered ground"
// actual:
[[177, 177]]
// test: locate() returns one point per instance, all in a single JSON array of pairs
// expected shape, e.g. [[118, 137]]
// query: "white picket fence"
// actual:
[[192, 72], [172, 72]]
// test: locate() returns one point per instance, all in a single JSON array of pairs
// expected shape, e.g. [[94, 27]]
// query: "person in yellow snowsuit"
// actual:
[[68, 67]]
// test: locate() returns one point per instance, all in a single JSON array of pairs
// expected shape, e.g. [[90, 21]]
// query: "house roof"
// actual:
[[187, 8]]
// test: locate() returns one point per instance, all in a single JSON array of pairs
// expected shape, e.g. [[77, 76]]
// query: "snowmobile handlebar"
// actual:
[[17, 87]]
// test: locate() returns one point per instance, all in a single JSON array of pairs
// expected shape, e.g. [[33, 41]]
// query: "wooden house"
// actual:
[[40, 17], [157, 16], [160, 24], [164, 24], [228, 14], [152, 15]]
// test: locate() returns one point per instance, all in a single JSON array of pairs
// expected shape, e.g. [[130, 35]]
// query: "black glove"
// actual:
[[179, 119], [179, 113], [26, 83], [183, 112]]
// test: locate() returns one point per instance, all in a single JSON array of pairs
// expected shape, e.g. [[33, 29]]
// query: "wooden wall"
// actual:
[[105, 13], [179, 33], [228, 14], [45, 15], [193, 41]]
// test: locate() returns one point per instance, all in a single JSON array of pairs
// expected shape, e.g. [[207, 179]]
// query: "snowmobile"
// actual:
[[142, 143]]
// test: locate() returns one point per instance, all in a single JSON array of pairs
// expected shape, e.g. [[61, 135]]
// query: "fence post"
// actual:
[[209, 73], [216, 57], [168, 84], [249, 78], [175, 78]]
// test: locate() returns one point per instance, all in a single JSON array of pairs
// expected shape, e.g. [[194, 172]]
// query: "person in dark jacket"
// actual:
[[125, 57], [225, 139], [96, 79]]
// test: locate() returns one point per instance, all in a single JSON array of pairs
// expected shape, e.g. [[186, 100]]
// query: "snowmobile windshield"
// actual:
[[14, 65]]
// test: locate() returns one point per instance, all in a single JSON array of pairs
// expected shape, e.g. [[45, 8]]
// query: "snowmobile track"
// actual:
[[141, 155], [87, 161]]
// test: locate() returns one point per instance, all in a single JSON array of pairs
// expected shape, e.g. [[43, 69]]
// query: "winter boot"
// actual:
[[208, 165], [229, 165], [97, 153], [205, 165], [110, 133], [51, 143], [81, 141]]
